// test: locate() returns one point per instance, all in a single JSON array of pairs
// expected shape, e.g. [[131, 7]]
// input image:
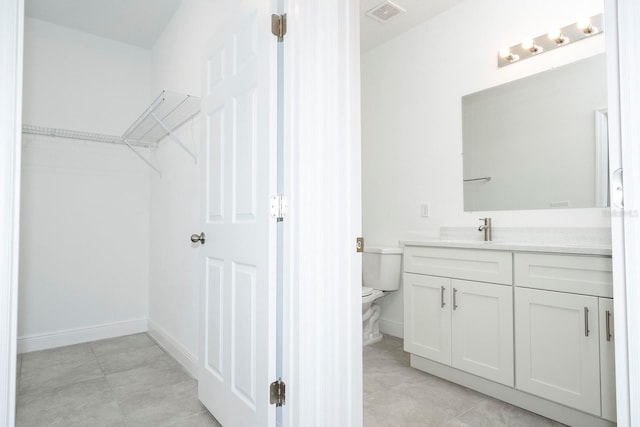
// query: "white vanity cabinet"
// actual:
[[557, 347], [559, 350], [529, 327], [461, 323]]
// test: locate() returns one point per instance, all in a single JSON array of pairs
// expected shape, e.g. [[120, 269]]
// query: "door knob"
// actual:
[[195, 238]]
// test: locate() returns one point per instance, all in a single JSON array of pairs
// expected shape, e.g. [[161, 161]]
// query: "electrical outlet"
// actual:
[[424, 210]]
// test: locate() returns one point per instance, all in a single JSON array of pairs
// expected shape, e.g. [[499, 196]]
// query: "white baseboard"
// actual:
[[392, 328], [172, 346], [55, 339]]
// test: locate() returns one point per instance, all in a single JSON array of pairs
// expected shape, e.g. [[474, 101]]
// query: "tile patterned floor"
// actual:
[[130, 381], [397, 395], [125, 381]]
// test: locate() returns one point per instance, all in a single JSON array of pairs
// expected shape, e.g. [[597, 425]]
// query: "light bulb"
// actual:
[[584, 25], [554, 34], [508, 55], [531, 46], [527, 44], [557, 36]]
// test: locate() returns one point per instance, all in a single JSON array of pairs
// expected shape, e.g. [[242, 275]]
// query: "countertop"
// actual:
[[512, 246]]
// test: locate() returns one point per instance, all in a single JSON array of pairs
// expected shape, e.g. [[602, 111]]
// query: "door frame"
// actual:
[[11, 42], [623, 58], [299, 304], [322, 333]]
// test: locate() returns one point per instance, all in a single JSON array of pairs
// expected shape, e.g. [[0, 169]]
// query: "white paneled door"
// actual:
[[237, 326]]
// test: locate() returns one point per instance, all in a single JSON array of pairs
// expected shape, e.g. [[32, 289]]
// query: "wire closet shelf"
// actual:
[[168, 112]]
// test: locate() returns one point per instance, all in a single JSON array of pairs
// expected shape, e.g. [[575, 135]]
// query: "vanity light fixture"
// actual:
[[554, 39]]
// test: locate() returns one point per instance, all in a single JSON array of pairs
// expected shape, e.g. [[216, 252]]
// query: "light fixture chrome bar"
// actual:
[[484, 178], [554, 39]]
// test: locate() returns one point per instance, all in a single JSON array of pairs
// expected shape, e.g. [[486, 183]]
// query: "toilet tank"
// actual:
[[381, 268]]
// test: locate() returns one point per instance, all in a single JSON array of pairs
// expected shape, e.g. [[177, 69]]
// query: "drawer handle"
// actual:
[[586, 322], [442, 296], [455, 305], [608, 320]]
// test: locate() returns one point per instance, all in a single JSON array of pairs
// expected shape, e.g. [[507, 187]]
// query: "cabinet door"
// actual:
[[482, 330], [427, 317], [607, 360], [557, 347]]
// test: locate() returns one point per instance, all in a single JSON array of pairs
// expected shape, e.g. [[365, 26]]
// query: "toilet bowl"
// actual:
[[371, 315], [369, 295], [380, 275]]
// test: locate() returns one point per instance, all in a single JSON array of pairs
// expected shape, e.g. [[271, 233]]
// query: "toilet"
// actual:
[[380, 274]]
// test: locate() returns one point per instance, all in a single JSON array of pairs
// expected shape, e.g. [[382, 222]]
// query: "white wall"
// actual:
[[75, 80], [411, 115], [175, 197], [84, 264]]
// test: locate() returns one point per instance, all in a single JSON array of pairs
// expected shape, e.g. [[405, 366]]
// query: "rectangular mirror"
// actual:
[[539, 142]]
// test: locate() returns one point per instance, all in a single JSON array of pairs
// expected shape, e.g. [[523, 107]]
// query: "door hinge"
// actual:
[[279, 26], [359, 244], [278, 207], [277, 392]]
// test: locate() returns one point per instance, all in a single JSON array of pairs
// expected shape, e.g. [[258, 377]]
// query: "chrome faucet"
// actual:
[[486, 227]]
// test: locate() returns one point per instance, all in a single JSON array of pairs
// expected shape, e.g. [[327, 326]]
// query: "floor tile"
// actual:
[[120, 344], [88, 403], [203, 419], [60, 374], [128, 384], [393, 410], [494, 413], [45, 358], [126, 360], [18, 372], [160, 404]]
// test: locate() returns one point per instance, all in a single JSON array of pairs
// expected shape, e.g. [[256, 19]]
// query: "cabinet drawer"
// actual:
[[468, 264], [588, 275]]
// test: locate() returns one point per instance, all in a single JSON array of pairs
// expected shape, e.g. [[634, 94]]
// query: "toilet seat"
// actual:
[[366, 291]]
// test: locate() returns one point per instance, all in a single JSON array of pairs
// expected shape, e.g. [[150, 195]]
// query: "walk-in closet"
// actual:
[[111, 142]]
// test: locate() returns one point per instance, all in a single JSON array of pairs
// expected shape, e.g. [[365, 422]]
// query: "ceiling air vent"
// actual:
[[385, 11]]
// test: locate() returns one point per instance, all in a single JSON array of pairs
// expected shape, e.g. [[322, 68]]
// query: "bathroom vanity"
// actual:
[[530, 325]]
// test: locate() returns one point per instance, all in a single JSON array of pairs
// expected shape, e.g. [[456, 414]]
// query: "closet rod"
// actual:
[[82, 136]]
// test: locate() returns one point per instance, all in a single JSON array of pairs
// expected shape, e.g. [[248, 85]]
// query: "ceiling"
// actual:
[[140, 22], [373, 33]]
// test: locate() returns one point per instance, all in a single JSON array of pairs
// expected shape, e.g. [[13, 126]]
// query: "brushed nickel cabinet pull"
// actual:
[[586, 322], [442, 296], [608, 320], [455, 291]]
